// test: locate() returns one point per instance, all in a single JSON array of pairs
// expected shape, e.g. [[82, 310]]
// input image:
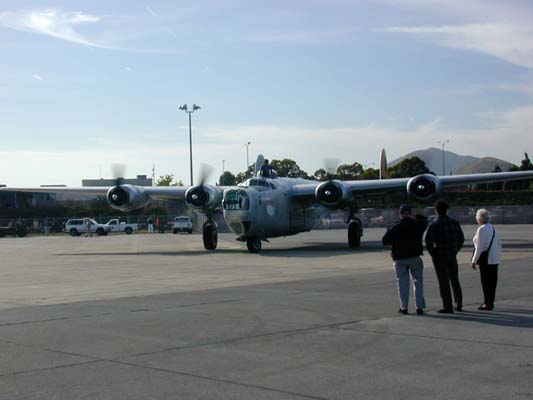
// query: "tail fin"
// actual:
[[259, 163], [382, 165]]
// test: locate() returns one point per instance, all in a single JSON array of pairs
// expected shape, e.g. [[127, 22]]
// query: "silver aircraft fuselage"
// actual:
[[263, 208]]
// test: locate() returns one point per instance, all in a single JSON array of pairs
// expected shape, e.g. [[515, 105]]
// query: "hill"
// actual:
[[482, 165], [433, 159]]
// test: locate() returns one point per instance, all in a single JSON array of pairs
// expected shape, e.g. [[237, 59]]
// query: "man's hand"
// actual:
[[474, 266]]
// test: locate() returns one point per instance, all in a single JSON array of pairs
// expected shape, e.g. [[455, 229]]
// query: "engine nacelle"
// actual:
[[204, 197], [127, 198], [424, 187], [333, 194]]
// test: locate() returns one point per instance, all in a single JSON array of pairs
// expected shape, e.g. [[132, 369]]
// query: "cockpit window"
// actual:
[[236, 200], [259, 184]]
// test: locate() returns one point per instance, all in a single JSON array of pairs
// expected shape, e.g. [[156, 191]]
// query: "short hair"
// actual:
[[483, 215], [441, 206], [405, 209]]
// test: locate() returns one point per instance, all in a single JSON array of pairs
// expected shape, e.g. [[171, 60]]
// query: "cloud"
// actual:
[[151, 11], [510, 42], [55, 23], [38, 77], [507, 136]]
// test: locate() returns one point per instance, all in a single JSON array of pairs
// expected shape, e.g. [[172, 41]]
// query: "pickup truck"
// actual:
[[117, 226], [182, 224], [76, 227]]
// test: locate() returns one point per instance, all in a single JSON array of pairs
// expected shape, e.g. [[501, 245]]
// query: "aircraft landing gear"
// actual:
[[210, 235], [253, 244], [355, 231]]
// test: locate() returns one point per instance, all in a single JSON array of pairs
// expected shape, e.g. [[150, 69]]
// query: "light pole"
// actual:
[[443, 143], [186, 109], [223, 172], [247, 144]]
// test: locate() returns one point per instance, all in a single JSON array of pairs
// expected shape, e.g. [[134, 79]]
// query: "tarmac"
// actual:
[[155, 316]]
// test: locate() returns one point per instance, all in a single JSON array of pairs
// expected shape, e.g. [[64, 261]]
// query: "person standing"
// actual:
[[487, 254], [443, 241], [88, 226], [266, 170], [406, 240], [150, 223]]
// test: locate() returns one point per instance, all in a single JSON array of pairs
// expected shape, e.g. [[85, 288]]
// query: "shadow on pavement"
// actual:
[[498, 317]]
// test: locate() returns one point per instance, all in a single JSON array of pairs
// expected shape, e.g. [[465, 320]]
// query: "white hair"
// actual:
[[483, 215]]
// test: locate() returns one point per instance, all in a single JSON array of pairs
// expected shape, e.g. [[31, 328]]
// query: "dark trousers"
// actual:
[[448, 272], [489, 280]]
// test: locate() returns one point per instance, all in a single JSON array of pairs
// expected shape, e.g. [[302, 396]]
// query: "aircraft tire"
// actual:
[[210, 236], [354, 234], [254, 245]]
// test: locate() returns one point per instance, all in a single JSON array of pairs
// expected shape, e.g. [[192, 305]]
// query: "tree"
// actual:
[[370, 173], [288, 168], [408, 168], [350, 171], [227, 179], [242, 176], [167, 180]]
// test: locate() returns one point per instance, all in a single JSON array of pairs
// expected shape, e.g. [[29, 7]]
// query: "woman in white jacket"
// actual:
[[485, 234]]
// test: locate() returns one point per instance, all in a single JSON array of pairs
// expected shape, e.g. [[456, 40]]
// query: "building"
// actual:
[[140, 180]]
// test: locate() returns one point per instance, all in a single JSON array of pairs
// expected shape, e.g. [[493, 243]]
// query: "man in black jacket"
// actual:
[[406, 240], [443, 241]]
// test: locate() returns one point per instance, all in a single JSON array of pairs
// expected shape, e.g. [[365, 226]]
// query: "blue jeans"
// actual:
[[415, 267]]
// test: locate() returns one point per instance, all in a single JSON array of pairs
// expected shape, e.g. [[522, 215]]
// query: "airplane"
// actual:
[[265, 207]]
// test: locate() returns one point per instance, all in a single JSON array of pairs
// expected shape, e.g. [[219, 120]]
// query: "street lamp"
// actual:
[[186, 109], [223, 172], [443, 143], [247, 144]]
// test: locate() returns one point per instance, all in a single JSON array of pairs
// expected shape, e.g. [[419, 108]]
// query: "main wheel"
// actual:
[[254, 245], [210, 236], [354, 234]]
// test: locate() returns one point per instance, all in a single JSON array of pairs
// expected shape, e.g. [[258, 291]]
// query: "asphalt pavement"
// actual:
[[157, 317]]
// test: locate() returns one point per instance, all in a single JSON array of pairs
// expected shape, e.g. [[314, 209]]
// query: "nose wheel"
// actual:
[[355, 232], [210, 235], [254, 245]]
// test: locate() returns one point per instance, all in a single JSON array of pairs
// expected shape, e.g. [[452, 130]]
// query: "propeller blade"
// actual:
[[206, 171], [118, 172], [331, 164]]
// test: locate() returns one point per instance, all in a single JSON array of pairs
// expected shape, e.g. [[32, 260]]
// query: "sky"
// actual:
[[84, 84]]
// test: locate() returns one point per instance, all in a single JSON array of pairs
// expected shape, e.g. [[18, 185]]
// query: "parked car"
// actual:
[[117, 226], [15, 230], [76, 227], [182, 224]]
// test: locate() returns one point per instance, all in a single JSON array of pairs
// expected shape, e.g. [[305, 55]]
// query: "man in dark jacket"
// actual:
[[443, 241], [406, 240]]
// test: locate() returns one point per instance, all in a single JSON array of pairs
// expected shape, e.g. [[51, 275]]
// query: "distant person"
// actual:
[[266, 170], [88, 226], [406, 240], [487, 254], [443, 241], [46, 226], [150, 223]]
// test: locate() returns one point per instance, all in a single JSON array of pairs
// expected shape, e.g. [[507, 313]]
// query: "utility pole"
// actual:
[[247, 144], [443, 143], [186, 109], [223, 172]]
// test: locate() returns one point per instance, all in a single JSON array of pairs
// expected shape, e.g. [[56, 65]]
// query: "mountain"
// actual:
[[433, 159], [485, 164]]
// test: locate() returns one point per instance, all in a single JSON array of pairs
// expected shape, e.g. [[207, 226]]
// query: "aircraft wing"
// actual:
[[157, 192], [437, 183]]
